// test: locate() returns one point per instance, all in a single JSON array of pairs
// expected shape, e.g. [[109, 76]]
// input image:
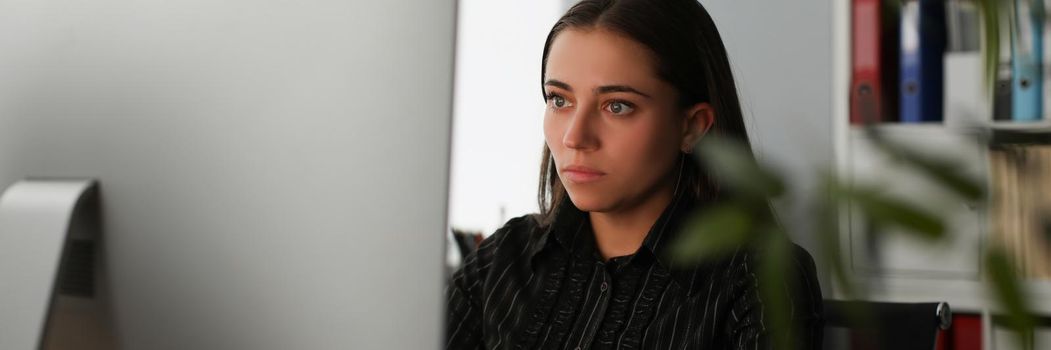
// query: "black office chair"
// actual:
[[866, 325]]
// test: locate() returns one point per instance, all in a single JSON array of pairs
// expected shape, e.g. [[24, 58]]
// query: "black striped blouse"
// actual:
[[534, 287]]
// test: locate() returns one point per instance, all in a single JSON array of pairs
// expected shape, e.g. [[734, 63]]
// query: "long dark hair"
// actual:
[[690, 56]]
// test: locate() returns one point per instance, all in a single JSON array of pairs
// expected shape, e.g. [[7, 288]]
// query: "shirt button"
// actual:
[[603, 286]]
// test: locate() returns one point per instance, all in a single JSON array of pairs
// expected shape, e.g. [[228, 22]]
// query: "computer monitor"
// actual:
[[270, 174]]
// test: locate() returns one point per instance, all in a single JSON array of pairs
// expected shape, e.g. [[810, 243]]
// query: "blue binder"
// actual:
[[1027, 50], [923, 40]]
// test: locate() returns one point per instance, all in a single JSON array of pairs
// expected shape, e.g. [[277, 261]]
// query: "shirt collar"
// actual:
[[571, 224]]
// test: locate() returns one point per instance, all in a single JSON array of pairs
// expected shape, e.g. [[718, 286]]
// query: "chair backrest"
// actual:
[[866, 325]]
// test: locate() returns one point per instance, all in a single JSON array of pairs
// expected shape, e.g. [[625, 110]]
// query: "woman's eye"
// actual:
[[557, 101], [619, 107]]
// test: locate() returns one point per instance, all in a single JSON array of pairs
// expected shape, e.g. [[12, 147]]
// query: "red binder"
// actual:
[[866, 94], [966, 332], [876, 49]]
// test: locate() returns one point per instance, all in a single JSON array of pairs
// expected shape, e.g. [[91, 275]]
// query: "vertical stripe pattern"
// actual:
[[545, 287]]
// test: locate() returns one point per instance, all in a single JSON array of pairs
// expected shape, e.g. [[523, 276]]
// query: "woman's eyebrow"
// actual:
[[558, 84], [619, 88], [605, 89]]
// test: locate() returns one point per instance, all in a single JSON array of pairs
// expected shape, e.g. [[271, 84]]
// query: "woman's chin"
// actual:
[[589, 202]]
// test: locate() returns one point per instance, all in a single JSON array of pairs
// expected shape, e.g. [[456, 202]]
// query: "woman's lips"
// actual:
[[581, 174]]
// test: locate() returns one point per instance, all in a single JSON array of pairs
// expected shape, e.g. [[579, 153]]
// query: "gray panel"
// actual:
[[781, 53], [273, 174]]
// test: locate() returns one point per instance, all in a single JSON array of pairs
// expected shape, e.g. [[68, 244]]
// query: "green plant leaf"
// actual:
[[826, 214], [883, 210], [1009, 293], [733, 164], [716, 232], [943, 171], [990, 14], [775, 273]]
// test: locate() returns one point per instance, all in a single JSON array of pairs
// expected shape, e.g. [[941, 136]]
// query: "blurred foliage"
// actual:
[[746, 219], [990, 11]]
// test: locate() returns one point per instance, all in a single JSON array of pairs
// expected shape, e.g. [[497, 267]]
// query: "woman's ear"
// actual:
[[699, 119]]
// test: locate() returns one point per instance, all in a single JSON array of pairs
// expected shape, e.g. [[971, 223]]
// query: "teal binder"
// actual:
[[1027, 51]]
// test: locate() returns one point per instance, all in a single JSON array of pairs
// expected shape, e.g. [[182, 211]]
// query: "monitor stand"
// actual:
[[51, 295]]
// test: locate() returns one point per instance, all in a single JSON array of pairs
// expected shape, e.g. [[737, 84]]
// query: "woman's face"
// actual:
[[613, 127]]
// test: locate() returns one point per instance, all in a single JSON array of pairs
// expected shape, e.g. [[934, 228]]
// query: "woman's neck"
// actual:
[[622, 232]]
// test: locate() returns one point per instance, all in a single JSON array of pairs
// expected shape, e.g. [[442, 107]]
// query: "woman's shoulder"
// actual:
[[793, 256], [793, 268], [753, 266], [514, 235], [500, 251]]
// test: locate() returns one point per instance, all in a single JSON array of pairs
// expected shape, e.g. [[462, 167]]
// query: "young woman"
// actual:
[[631, 87]]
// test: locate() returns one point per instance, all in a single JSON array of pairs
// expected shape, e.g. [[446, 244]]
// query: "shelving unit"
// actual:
[[909, 270], [1011, 134]]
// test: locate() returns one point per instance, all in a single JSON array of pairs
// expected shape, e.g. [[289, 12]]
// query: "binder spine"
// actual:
[[1027, 64], [866, 86], [923, 40]]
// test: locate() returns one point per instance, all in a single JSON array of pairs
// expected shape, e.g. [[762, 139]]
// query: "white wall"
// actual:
[[498, 110], [781, 53]]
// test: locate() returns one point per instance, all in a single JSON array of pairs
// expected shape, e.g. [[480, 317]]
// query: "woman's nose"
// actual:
[[580, 133]]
